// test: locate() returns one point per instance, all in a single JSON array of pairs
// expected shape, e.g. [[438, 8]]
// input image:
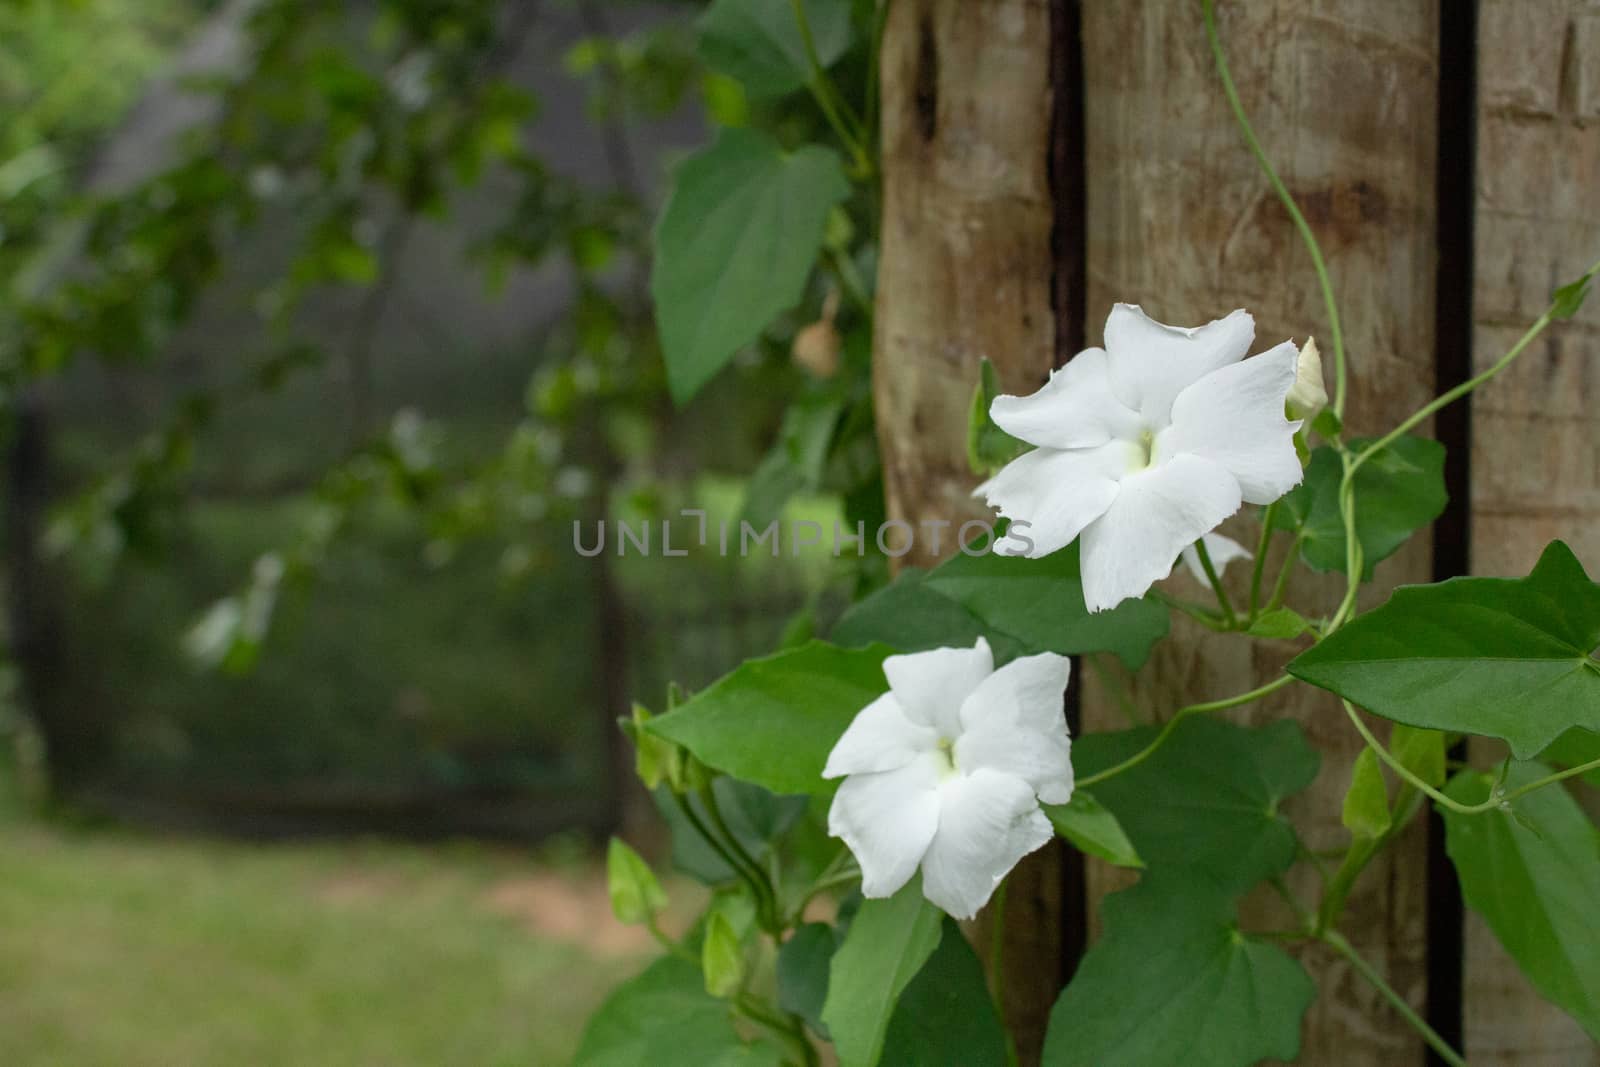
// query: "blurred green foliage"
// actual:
[[279, 565]]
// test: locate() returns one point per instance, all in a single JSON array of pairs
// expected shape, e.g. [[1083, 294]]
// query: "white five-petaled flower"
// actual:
[[1145, 445], [946, 771]]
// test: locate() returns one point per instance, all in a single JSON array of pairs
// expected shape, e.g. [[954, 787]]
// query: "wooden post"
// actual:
[[966, 271], [1342, 94], [1535, 472]]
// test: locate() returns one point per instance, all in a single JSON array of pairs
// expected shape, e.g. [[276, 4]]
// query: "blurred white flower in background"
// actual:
[[946, 771], [1145, 445], [1222, 550]]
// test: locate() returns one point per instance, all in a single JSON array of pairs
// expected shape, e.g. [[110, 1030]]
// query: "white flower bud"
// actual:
[[1307, 397]]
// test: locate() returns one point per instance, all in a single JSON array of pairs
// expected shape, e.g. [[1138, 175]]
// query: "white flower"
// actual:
[[947, 771], [1222, 550], [1308, 396], [1144, 445]]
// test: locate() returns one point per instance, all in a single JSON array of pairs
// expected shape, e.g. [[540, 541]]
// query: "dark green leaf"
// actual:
[[1025, 605], [759, 42], [773, 721], [914, 618], [888, 942], [755, 816], [1399, 490], [664, 1016], [1506, 658], [797, 458], [1173, 981], [1574, 749], [803, 973], [1091, 828], [735, 243], [1535, 879], [1208, 800], [946, 1016]]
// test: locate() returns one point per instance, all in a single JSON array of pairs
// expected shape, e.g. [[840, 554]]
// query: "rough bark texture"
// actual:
[[1536, 429], [966, 272], [1342, 94]]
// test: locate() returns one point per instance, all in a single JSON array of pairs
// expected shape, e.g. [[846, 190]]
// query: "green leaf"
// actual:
[[1399, 490], [1174, 981], [1565, 301], [946, 1014], [1282, 623], [773, 721], [756, 817], [734, 246], [1366, 802], [759, 42], [988, 446], [1022, 606], [721, 956], [1422, 752], [797, 458], [888, 942], [665, 1016], [1507, 658], [803, 973], [1535, 881], [1208, 801], [1573, 749], [1091, 828], [636, 894], [913, 618]]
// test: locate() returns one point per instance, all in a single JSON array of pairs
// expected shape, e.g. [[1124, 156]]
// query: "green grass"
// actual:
[[124, 950]]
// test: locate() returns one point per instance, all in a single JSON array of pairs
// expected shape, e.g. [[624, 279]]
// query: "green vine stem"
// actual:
[[751, 876], [1281, 586], [1259, 570], [789, 1027], [1496, 800], [1335, 940], [1172, 724], [1209, 619], [765, 892], [1340, 373], [1451, 396], [1228, 616], [834, 108]]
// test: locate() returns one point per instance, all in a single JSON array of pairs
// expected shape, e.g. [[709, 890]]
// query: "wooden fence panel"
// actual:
[[966, 271], [1536, 430], [1343, 95]]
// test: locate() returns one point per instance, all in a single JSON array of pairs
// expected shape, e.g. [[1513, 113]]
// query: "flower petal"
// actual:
[[1156, 513], [887, 820], [1075, 408], [1015, 723], [1234, 417], [1054, 494], [1222, 550], [880, 738], [987, 822], [1151, 363], [930, 686]]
